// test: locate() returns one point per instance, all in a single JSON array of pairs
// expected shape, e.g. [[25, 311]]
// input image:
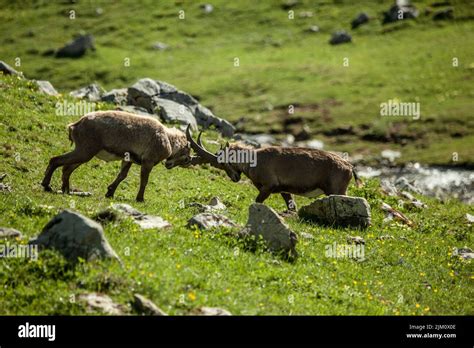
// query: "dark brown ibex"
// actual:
[[285, 170], [118, 135]]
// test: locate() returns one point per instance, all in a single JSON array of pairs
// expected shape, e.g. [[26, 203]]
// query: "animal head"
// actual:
[[205, 156], [181, 158]]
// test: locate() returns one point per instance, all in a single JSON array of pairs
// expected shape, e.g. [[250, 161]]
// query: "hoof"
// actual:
[[47, 188], [288, 213], [141, 200], [109, 195]]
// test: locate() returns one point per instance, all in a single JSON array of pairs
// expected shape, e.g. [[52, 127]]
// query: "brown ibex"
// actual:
[[118, 135], [285, 170]]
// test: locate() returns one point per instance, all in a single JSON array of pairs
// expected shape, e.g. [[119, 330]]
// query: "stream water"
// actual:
[[439, 182]]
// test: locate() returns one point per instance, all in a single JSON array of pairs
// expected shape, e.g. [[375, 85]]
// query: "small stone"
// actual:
[[77, 47], [7, 232], [306, 235], [390, 155], [464, 253], [355, 240], [5, 188], [160, 46], [470, 218], [115, 96], [211, 311], [46, 87], [206, 221], [207, 8], [91, 92], [101, 303], [145, 306], [8, 70], [361, 18], [340, 37], [119, 210]]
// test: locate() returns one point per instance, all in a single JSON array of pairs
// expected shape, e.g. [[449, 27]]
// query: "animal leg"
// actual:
[[262, 196], [67, 171], [290, 202], [72, 157], [120, 177], [144, 174]]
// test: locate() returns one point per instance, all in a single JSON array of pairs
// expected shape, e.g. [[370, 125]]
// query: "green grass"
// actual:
[[280, 64], [413, 275]]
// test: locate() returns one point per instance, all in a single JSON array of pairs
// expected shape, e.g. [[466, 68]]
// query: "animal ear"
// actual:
[[227, 144]]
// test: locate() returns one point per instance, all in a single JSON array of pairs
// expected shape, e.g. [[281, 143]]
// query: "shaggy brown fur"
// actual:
[[287, 170], [118, 135]]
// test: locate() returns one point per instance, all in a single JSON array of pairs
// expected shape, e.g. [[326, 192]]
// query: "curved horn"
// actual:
[[199, 139], [200, 150]]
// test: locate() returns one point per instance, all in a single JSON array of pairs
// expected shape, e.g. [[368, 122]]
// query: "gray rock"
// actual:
[[388, 188], [4, 188], [312, 144], [8, 70], [361, 18], [340, 37], [173, 105], [306, 235], [211, 311], [77, 47], [205, 118], [145, 306], [464, 253], [206, 221], [413, 201], [390, 155], [46, 87], [168, 91], [256, 139], [101, 303], [92, 92], [143, 93], [75, 236], [469, 218], [355, 240], [7, 232], [313, 29], [115, 96], [400, 11], [214, 205], [339, 210], [118, 211], [160, 46], [402, 183], [135, 110], [207, 8], [445, 14], [265, 222], [171, 111]]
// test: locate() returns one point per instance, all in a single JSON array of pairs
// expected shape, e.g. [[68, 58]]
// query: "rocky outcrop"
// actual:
[[265, 222], [338, 210], [75, 236]]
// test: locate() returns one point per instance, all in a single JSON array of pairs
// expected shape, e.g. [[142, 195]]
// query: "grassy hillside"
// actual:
[[280, 64], [181, 269]]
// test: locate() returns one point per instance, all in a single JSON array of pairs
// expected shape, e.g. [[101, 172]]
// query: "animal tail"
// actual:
[[70, 128], [359, 182]]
